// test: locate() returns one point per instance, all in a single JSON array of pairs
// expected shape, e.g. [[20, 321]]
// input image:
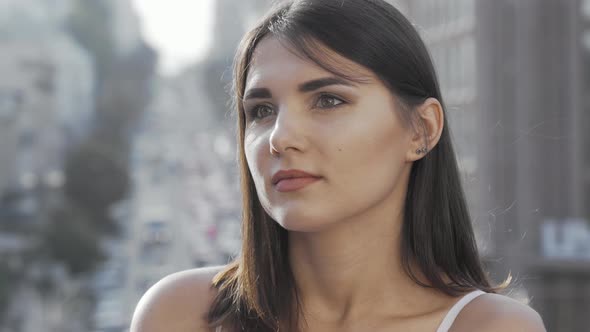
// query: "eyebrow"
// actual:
[[303, 87]]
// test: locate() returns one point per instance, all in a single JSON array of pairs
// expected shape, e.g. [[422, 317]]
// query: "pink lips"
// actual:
[[292, 180]]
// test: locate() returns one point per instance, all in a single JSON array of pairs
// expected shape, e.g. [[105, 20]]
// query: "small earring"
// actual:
[[422, 150]]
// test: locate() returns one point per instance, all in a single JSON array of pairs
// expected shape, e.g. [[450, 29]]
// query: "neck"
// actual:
[[353, 271]]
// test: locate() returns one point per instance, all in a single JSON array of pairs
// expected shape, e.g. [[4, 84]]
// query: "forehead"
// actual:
[[274, 60]]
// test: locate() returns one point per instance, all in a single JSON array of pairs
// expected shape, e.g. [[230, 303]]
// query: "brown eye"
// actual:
[[260, 111], [328, 101]]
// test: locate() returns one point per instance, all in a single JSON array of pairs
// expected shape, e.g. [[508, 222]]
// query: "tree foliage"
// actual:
[[96, 178], [70, 238]]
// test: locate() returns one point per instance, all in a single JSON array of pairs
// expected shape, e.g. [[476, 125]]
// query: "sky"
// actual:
[[180, 30]]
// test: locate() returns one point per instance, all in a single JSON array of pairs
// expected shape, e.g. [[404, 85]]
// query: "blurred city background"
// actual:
[[117, 148]]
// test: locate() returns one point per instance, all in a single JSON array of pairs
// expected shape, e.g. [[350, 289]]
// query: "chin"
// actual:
[[302, 222]]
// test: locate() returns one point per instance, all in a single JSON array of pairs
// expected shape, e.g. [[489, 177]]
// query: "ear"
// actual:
[[428, 127]]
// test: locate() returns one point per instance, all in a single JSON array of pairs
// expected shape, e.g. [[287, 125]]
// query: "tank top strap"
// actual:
[[449, 319]]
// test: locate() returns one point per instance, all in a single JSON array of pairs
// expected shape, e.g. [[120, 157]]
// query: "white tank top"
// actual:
[[447, 322], [450, 317]]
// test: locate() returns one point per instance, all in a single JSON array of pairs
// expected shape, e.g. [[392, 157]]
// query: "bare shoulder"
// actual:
[[495, 313], [176, 302]]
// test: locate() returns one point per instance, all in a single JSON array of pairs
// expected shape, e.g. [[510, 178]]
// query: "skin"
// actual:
[[343, 229]]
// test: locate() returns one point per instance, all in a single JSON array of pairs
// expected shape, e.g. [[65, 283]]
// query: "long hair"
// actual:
[[256, 292]]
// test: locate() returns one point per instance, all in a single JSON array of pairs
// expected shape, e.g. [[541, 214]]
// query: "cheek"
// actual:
[[258, 159], [372, 143], [369, 158], [254, 150]]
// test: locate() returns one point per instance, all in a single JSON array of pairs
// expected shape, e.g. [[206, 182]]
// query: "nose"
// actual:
[[286, 134]]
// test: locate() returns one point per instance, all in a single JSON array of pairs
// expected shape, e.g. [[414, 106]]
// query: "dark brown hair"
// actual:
[[256, 292]]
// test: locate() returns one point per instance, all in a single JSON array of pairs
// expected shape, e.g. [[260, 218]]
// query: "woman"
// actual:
[[354, 216]]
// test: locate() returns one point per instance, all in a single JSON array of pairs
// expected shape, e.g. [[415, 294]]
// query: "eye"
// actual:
[[328, 101], [259, 112]]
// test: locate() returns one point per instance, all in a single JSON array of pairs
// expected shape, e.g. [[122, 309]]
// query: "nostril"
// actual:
[[273, 151]]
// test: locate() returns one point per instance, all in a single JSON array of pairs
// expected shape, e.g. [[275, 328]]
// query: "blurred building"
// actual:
[[10, 103], [125, 26], [582, 75], [46, 106], [46, 95], [515, 75]]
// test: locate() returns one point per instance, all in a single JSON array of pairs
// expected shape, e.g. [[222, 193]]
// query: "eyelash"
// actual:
[[323, 96]]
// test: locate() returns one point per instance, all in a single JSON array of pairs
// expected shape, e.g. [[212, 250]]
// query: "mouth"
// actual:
[[292, 179], [294, 184]]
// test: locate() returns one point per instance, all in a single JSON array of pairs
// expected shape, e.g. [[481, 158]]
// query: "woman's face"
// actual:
[[300, 116]]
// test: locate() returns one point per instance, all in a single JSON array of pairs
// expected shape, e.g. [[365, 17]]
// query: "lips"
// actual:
[[294, 184], [291, 174]]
